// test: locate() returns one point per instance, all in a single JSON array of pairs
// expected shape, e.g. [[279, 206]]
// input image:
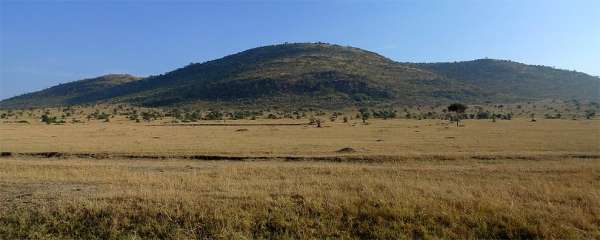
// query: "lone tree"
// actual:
[[364, 114], [458, 109]]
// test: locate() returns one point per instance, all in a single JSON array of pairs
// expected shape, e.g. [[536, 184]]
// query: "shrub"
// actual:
[[214, 115], [47, 119], [483, 115], [364, 114], [385, 114], [151, 115], [316, 121], [589, 114]]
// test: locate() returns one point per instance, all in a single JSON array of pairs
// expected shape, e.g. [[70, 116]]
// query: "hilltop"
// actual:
[[321, 75]]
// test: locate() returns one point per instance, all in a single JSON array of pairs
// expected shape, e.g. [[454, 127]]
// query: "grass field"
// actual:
[[403, 179], [380, 137]]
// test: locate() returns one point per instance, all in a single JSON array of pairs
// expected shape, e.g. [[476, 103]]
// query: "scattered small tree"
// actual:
[[364, 114], [589, 114], [385, 114], [214, 115], [47, 119], [458, 109], [51, 120], [316, 121]]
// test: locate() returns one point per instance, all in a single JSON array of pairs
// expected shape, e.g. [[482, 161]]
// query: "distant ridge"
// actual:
[[321, 75], [68, 94]]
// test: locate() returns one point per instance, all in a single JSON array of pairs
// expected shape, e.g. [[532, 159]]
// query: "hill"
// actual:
[[503, 80], [321, 75], [68, 94]]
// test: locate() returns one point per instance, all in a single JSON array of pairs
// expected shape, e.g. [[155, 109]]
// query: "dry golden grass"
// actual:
[[119, 198], [380, 137], [508, 179]]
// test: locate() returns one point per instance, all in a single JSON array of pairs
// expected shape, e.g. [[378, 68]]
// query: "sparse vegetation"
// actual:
[[381, 180], [385, 114], [214, 115], [51, 120]]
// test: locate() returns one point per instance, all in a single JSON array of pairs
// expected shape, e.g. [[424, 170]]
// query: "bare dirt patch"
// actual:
[[346, 150]]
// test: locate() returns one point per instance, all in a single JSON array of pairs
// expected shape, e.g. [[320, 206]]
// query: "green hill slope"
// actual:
[[69, 93], [307, 74], [502, 80]]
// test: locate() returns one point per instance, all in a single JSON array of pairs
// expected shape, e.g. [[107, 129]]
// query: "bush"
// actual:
[[589, 114], [483, 115], [385, 114], [191, 117], [48, 119], [214, 115], [246, 114], [151, 115]]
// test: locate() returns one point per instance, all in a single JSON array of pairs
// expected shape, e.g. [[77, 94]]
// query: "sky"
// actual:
[[44, 43]]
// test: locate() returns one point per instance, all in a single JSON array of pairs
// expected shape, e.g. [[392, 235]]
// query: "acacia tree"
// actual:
[[458, 109]]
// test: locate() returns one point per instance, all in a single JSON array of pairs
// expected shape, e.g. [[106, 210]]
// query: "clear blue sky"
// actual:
[[44, 43]]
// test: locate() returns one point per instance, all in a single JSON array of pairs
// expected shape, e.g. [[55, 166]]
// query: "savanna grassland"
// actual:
[[120, 177]]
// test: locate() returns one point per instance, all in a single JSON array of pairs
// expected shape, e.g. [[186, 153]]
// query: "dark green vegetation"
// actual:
[[72, 93], [322, 75], [503, 80]]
